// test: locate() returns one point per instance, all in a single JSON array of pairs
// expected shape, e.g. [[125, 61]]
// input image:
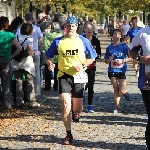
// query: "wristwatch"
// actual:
[[138, 58]]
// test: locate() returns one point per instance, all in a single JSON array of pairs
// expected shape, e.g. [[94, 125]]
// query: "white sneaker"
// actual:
[[137, 74], [34, 104]]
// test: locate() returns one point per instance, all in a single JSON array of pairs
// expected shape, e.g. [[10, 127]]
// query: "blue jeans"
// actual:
[[37, 80]]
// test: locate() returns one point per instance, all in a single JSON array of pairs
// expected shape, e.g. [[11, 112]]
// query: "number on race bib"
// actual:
[[81, 78], [117, 63]]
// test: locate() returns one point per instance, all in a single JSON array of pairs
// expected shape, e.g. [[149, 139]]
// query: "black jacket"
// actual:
[[96, 44]]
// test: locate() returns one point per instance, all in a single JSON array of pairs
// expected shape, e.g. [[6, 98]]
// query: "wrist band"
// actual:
[[138, 58], [84, 66]]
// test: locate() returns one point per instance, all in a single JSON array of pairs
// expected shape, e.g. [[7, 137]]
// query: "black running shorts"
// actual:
[[119, 75], [67, 85]]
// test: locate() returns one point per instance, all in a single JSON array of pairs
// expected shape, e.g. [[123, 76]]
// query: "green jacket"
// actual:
[[48, 39]]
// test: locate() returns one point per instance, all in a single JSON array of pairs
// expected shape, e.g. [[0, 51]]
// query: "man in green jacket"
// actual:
[[49, 37]]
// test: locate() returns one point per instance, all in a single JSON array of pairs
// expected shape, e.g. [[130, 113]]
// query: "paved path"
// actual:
[[42, 129]]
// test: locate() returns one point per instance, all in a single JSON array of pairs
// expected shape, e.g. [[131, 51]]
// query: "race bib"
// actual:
[[117, 63], [81, 78]]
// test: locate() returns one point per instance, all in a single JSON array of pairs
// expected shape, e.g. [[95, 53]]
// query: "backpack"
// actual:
[[23, 52]]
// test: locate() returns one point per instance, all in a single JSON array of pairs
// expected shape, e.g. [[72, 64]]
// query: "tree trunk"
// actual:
[[144, 17], [120, 14], [30, 6]]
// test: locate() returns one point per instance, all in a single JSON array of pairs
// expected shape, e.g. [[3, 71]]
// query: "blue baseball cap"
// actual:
[[72, 20]]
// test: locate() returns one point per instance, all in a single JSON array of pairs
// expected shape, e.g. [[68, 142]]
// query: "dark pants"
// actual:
[[55, 78], [146, 100], [47, 78], [90, 84], [67, 85], [24, 90], [13, 90], [5, 74]]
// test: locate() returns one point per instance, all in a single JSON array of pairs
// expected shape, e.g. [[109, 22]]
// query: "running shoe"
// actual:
[[137, 74], [127, 96], [68, 139], [32, 104], [116, 110], [75, 117], [90, 109]]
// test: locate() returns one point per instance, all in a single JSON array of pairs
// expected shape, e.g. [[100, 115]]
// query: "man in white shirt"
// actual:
[[37, 48], [140, 23], [142, 42], [124, 28]]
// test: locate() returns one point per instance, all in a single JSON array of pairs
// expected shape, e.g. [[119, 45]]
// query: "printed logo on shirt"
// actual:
[[70, 53]]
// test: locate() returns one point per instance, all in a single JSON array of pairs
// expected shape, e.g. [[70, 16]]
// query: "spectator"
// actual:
[[7, 38], [41, 18], [124, 29], [110, 28], [37, 49], [80, 29], [49, 37], [95, 28], [15, 24], [140, 23], [26, 68]]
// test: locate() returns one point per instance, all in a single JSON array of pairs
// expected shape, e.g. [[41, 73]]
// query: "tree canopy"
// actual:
[[89, 7]]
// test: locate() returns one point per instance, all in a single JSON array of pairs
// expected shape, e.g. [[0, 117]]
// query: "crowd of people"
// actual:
[[68, 48], [31, 45]]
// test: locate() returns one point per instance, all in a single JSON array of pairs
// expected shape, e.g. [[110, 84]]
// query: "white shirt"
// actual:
[[28, 42], [26, 63], [142, 39], [125, 28], [140, 24], [35, 35]]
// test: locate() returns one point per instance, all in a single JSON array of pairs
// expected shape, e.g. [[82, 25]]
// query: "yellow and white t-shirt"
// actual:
[[70, 53]]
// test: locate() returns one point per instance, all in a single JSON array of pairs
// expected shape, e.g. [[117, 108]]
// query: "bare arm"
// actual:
[[127, 40], [88, 62], [48, 61], [80, 67], [40, 40], [135, 46], [143, 59], [109, 60], [128, 59], [50, 65], [19, 48], [133, 54], [29, 50]]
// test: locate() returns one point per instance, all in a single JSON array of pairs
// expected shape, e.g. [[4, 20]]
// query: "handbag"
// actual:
[[23, 52]]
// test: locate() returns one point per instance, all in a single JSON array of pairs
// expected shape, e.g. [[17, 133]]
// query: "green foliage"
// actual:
[[90, 7]]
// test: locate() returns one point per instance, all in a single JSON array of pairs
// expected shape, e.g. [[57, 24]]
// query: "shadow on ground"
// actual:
[[76, 143]]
